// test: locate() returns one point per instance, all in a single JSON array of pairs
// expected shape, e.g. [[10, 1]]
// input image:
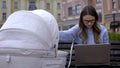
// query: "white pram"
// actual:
[[29, 39]]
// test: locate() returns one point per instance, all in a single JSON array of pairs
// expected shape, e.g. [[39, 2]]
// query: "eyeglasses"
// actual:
[[89, 21]]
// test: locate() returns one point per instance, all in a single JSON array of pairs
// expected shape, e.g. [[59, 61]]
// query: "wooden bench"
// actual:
[[114, 55]]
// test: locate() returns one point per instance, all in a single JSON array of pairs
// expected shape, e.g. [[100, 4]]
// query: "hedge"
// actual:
[[114, 36]]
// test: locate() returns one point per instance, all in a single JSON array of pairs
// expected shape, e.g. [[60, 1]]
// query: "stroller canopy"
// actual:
[[36, 29]]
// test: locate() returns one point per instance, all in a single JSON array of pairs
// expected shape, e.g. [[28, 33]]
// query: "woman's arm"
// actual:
[[68, 35]]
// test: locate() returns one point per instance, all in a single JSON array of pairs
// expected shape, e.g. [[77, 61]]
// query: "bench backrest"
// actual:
[[114, 53]]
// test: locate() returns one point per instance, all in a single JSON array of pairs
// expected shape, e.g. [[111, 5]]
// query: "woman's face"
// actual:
[[88, 21]]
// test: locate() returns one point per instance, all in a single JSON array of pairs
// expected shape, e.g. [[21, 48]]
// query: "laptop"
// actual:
[[97, 54]]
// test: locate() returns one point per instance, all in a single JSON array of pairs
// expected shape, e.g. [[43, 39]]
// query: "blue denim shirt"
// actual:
[[72, 33]]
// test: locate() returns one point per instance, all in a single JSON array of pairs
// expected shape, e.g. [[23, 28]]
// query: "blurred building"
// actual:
[[108, 11], [72, 10], [112, 14], [9, 6], [67, 12]]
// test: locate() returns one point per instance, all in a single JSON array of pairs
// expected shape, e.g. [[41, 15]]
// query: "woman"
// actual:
[[88, 31]]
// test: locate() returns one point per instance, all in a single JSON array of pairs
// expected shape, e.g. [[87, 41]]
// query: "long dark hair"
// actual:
[[89, 10]]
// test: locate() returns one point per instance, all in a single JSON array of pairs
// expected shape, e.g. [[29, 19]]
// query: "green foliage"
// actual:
[[114, 36]]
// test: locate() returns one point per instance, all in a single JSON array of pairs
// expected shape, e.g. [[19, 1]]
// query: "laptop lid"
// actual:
[[98, 54]]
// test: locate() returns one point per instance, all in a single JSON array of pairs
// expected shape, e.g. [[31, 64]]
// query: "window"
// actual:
[[58, 5], [69, 0], [113, 4], [78, 9], [70, 13], [3, 4], [99, 11], [98, 1], [64, 10], [58, 16], [4, 16], [48, 6], [119, 4], [16, 5], [60, 27], [32, 5], [85, 2], [100, 17]]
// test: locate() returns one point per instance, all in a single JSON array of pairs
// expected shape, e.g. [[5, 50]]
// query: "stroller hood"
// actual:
[[36, 29]]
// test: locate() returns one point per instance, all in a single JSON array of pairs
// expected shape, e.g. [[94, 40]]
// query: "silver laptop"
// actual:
[[98, 54]]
